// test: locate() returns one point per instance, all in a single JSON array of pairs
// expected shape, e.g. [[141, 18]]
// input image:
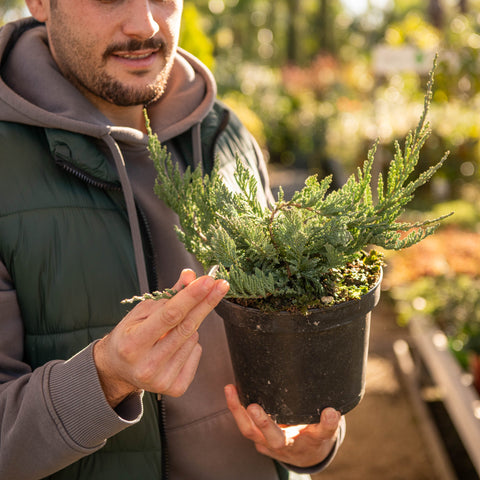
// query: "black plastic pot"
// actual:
[[294, 365]]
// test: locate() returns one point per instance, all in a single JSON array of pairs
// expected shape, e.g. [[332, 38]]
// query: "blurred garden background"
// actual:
[[317, 82]]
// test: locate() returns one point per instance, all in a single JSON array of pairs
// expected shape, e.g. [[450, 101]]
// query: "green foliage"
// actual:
[[307, 251], [193, 37], [165, 294], [450, 302], [270, 32]]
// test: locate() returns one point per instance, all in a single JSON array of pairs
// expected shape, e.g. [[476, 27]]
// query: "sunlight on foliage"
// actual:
[[299, 249]]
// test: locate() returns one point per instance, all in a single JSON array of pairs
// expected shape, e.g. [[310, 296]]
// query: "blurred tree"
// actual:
[[463, 4], [271, 32], [326, 42], [193, 37], [292, 31], [435, 11]]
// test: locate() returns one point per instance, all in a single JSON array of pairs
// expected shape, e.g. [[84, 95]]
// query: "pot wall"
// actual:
[[294, 365]]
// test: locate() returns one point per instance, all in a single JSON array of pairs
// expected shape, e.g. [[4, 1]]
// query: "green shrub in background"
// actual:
[[193, 37], [451, 302]]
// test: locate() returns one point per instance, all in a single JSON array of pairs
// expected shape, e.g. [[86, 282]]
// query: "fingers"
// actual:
[[329, 421], [144, 308], [255, 424], [186, 310], [167, 338], [243, 420], [155, 347], [187, 276], [185, 376], [274, 436], [171, 376], [303, 446], [195, 316]]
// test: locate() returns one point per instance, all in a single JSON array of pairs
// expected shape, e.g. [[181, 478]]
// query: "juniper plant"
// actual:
[[307, 251]]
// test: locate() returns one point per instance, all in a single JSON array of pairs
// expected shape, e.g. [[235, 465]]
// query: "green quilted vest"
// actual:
[[67, 245]]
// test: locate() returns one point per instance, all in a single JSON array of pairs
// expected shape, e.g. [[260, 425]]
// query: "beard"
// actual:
[[78, 65], [114, 91]]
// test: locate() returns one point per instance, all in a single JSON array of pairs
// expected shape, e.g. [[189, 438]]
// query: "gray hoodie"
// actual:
[[42, 407]]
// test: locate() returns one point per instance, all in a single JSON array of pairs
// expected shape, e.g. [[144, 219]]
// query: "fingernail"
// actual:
[[222, 286], [331, 415], [256, 412], [187, 276], [187, 271]]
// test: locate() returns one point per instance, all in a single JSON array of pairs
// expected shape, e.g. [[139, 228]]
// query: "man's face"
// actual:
[[119, 51]]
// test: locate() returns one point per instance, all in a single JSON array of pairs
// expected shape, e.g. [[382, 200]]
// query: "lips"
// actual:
[[135, 49], [135, 55], [140, 60]]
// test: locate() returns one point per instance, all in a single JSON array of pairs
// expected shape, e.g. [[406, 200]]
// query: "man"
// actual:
[[80, 229]]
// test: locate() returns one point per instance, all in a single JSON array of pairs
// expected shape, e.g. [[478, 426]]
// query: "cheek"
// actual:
[[170, 17], [173, 28]]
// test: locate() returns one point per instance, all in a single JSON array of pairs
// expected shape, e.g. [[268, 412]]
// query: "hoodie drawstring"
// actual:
[[132, 213]]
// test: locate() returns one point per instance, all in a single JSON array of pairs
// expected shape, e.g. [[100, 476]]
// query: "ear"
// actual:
[[39, 9]]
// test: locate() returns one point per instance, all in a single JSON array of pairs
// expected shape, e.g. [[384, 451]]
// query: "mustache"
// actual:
[[133, 45]]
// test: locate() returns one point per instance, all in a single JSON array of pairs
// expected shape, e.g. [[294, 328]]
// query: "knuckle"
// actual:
[[277, 445], [262, 449], [143, 375], [165, 384], [172, 315], [250, 433], [164, 381], [162, 387], [184, 353], [187, 328], [212, 301], [263, 422], [126, 351], [177, 391]]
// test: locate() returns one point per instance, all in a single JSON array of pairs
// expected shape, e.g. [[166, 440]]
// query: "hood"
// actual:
[[34, 92]]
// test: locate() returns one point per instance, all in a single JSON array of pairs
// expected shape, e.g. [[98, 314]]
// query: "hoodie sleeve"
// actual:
[[60, 404]]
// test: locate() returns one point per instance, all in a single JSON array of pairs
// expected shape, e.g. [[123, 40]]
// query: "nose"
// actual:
[[139, 22]]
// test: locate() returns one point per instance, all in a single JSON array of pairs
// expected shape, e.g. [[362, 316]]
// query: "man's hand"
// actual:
[[303, 447], [155, 347]]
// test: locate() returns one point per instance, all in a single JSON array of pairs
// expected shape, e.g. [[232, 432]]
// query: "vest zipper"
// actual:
[[162, 418], [85, 177], [95, 182]]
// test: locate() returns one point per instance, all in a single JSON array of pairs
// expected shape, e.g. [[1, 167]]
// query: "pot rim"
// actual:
[[360, 306], [347, 305]]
